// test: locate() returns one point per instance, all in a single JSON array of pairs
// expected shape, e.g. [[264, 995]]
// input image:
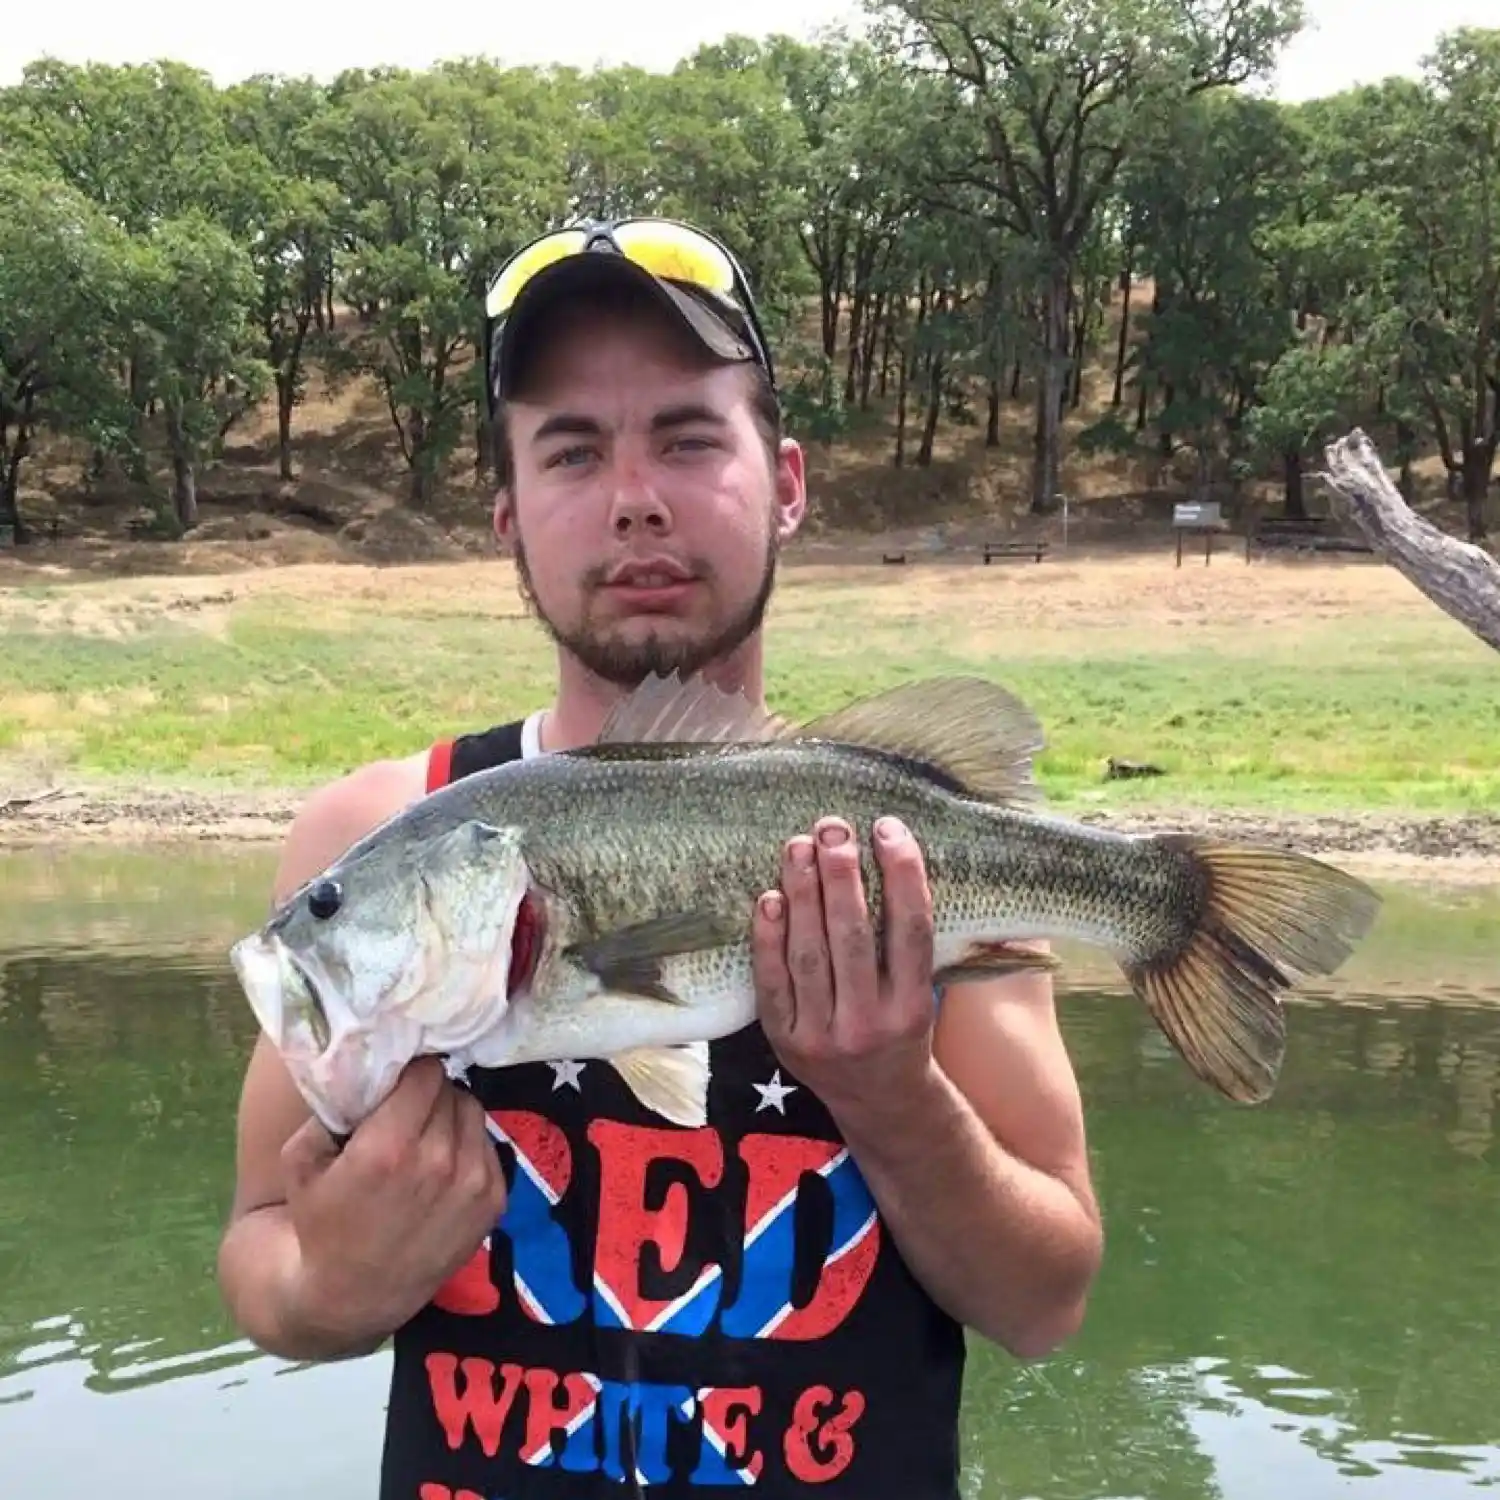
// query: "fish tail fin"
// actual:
[[1267, 920]]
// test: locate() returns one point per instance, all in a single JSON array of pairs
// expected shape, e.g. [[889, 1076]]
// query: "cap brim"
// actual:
[[575, 273]]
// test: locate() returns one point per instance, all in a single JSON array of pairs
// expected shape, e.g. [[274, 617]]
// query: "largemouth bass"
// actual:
[[596, 903]]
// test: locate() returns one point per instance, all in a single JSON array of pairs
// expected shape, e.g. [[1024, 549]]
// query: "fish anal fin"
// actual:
[[628, 959], [994, 961], [691, 711], [673, 1081], [978, 734]]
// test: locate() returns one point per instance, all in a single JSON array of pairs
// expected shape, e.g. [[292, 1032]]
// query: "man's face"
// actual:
[[646, 512]]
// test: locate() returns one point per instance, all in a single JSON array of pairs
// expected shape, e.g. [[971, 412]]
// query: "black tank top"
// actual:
[[672, 1312]]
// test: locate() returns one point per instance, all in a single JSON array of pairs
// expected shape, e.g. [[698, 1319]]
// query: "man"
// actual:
[[583, 1298]]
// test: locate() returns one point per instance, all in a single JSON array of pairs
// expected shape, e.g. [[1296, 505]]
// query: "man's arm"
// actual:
[[982, 1172], [969, 1130]]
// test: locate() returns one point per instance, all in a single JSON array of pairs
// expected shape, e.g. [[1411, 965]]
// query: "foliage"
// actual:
[[964, 205]]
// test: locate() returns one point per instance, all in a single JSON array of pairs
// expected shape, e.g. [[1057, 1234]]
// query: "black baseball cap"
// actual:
[[728, 328]]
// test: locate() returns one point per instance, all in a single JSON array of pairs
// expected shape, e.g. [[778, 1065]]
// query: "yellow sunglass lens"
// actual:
[[662, 249], [680, 254], [527, 264]]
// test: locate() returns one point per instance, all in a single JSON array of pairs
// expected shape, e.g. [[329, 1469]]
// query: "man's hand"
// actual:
[[382, 1224], [860, 1039], [967, 1127]]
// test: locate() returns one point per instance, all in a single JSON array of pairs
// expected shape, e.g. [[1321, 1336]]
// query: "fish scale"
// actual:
[[638, 859], [712, 832]]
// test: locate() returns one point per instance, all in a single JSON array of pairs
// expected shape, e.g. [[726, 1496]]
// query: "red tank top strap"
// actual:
[[439, 764]]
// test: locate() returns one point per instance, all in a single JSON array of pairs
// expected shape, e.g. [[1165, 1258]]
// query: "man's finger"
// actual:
[[806, 937], [307, 1153], [442, 1133], [850, 935], [405, 1114], [419, 1093], [908, 907], [773, 982]]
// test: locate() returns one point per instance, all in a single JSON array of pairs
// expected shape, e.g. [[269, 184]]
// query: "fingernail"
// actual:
[[831, 835], [802, 853], [771, 906], [890, 830]]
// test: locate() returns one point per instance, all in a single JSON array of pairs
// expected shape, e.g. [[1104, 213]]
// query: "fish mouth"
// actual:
[[270, 974], [257, 965], [317, 1011]]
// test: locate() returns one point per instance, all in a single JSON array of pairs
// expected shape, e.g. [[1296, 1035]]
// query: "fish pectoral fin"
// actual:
[[673, 1081], [993, 960], [629, 958], [978, 733], [671, 710]]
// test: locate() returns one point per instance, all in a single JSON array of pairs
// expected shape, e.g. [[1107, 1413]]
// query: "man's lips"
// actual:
[[648, 575], [649, 585]]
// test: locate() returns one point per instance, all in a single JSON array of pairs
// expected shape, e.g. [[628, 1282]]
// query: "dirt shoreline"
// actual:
[[1457, 848]]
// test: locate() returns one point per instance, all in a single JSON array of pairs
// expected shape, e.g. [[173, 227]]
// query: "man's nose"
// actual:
[[637, 507]]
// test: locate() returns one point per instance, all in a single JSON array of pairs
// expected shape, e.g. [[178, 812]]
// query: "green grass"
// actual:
[[1346, 714]]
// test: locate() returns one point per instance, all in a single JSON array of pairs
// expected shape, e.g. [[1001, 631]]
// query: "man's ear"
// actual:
[[502, 518], [791, 489]]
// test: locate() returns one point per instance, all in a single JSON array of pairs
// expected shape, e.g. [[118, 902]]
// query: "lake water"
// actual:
[[1298, 1302]]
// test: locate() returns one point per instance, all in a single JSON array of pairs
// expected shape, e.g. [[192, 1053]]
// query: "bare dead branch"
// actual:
[[1460, 578]]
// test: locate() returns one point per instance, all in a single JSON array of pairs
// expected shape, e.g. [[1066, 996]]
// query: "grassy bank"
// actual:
[[1318, 686]]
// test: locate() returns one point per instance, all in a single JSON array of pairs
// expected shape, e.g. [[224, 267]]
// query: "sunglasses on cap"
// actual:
[[691, 271]]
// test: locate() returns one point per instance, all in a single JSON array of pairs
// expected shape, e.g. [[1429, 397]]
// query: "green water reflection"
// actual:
[[1298, 1302]]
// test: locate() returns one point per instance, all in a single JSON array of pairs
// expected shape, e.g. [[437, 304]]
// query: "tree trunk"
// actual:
[[992, 423], [1081, 323], [1122, 349], [899, 457], [831, 283], [1479, 458], [856, 343], [888, 347], [934, 411], [1296, 500], [14, 455], [1458, 577], [420, 489], [184, 491], [873, 329], [184, 477], [1406, 453], [1050, 390], [482, 454], [285, 395]]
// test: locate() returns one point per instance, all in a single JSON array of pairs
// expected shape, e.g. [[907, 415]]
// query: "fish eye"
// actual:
[[324, 900]]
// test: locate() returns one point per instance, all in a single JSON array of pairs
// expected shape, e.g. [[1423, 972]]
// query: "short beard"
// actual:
[[627, 665]]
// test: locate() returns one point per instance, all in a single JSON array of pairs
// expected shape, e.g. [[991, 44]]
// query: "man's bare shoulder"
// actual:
[[342, 812]]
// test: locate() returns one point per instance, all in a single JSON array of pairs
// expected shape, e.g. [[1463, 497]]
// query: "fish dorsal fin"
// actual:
[[669, 710], [979, 734]]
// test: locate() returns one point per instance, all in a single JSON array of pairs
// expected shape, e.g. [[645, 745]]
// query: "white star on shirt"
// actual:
[[566, 1074], [773, 1094]]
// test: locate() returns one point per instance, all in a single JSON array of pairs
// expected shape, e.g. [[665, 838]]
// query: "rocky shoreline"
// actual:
[[1440, 846]]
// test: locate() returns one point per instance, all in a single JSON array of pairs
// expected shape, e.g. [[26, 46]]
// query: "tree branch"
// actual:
[[1459, 578]]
